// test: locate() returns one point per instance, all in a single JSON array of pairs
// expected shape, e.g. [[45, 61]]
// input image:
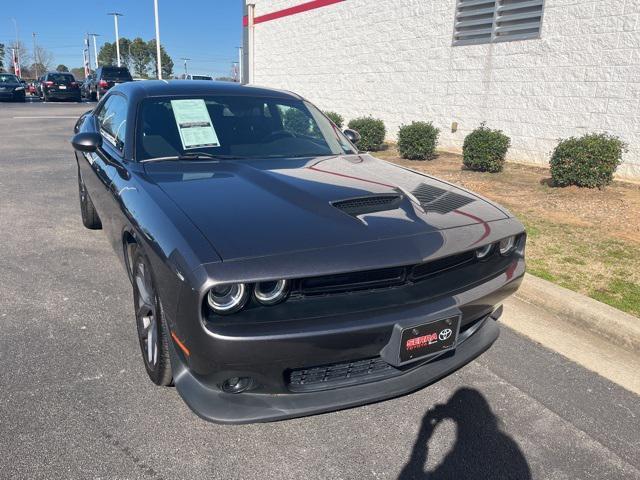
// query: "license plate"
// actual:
[[429, 338], [62, 87]]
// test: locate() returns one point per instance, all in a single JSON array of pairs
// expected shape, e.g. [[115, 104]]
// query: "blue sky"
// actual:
[[206, 31]]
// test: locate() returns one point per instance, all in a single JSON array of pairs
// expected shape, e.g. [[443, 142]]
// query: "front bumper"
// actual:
[[12, 96], [268, 352], [214, 405]]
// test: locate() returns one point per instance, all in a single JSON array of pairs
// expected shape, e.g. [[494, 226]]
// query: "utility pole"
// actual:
[[95, 47], [35, 54], [185, 66], [159, 59], [115, 22]]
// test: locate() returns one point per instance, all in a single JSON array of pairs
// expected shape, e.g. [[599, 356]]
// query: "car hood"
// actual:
[[272, 207]]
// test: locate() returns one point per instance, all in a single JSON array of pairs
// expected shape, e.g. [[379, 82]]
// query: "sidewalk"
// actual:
[[587, 332]]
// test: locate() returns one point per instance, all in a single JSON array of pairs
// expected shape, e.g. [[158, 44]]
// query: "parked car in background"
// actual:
[[197, 77], [32, 89], [11, 88], [59, 86], [104, 78], [85, 87], [276, 270]]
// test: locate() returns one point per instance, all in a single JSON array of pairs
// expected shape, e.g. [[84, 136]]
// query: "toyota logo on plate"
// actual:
[[444, 334]]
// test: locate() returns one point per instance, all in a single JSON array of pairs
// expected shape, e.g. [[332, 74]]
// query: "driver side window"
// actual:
[[112, 120]]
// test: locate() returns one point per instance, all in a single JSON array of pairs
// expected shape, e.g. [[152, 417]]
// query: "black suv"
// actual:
[[59, 86], [105, 78]]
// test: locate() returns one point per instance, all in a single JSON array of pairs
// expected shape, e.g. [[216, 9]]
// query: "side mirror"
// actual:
[[86, 141], [352, 135]]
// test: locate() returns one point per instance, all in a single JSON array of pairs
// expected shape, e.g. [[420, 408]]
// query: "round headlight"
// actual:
[[227, 298], [506, 245], [484, 252], [270, 293]]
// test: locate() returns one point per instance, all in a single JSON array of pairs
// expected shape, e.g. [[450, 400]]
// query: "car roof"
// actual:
[[138, 91]]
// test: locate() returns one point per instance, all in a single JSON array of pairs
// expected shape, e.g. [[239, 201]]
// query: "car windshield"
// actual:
[[116, 73], [7, 78], [235, 126], [200, 77]]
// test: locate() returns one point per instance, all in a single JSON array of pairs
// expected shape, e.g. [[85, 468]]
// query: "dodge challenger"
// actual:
[[276, 270]]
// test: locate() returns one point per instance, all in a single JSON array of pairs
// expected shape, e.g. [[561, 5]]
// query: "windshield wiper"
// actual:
[[192, 156]]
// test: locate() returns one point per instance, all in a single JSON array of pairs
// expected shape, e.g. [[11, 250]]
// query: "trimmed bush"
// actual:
[[335, 118], [589, 161], [371, 130], [484, 149], [417, 141]]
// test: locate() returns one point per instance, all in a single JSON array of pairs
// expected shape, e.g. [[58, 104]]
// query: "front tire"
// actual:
[[153, 333], [90, 218]]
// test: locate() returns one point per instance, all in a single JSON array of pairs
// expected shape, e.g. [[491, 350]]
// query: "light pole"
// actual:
[[240, 50], [35, 54], [115, 21], [95, 47], [185, 66], [87, 47], [16, 66], [159, 59]]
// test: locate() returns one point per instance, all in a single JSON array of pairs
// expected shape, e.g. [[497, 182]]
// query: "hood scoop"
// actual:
[[369, 204], [439, 200]]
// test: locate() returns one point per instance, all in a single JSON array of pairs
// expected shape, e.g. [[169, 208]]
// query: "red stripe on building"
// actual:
[[303, 7]]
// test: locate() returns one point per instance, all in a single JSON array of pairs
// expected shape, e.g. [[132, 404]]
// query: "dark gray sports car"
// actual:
[[276, 270]]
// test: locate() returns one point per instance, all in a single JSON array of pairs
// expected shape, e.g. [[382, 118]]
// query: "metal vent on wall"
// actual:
[[486, 21], [439, 200]]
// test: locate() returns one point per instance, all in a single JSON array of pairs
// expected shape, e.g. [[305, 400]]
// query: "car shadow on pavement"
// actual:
[[481, 450]]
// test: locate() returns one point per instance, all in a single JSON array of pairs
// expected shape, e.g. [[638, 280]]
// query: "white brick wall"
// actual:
[[393, 59]]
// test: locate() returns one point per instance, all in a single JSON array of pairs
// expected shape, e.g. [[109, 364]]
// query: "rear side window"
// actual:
[[116, 73], [113, 120]]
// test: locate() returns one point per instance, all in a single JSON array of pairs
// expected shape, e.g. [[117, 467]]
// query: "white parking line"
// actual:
[[50, 116]]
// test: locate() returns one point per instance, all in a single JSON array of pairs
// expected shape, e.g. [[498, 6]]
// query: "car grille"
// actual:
[[339, 375], [381, 278]]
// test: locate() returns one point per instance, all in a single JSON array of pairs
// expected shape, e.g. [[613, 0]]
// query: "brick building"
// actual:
[[537, 69]]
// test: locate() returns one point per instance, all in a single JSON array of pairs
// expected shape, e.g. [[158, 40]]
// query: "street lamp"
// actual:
[[115, 21], [159, 60], [185, 66]]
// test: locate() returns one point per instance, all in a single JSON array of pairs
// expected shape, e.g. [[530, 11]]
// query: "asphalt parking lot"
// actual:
[[75, 401]]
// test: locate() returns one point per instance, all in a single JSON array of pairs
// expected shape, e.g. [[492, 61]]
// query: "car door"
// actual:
[[107, 161]]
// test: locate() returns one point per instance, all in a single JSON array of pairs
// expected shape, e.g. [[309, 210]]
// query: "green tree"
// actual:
[[107, 54], [62, 68], [78, 73], [167, 62], [140, 57]]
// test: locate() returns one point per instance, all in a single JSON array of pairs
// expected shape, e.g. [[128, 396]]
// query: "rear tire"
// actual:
[[153, 333], [90, 218], [44, 97]]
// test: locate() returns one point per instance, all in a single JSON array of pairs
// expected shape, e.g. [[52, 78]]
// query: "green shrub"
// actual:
[[417, 141], [335, 118], [484, 149], [588, 161], [371, 130]]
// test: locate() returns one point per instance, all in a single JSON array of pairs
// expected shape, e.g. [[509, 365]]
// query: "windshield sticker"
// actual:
[[194, 124]]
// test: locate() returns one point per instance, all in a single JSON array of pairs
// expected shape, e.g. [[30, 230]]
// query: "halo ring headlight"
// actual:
[[507, 245], [227, 298], [483, 252], [270, 293]]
